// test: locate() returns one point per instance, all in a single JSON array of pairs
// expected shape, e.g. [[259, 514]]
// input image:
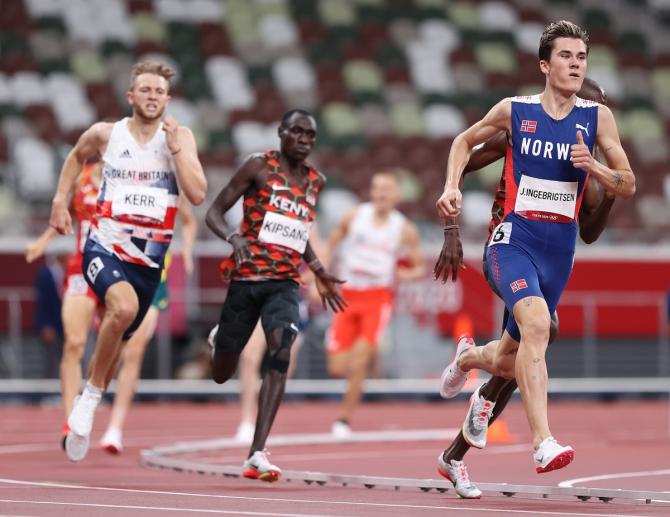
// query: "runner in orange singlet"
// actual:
[[79, 300]]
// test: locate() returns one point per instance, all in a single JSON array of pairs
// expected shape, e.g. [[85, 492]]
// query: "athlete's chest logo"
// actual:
[[585, 129], [286, 205]]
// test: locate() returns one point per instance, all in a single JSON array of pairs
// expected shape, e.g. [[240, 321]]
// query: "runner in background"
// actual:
[[366, 247], [79, 300]]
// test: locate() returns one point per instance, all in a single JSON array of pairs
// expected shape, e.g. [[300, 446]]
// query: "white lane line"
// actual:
[[29, 447], [643, 473], [306, 501], [167, 509]]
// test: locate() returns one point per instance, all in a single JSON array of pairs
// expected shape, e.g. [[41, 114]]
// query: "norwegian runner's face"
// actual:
[[567, 63]]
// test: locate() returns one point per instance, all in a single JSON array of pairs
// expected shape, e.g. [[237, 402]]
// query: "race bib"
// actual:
[[76, 284], [284, 231], [141, 201], [546, 200], [501, 234]]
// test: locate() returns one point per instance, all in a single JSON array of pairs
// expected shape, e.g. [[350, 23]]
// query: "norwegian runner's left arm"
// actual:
[[617, 176], [181, 143], [410, 241]]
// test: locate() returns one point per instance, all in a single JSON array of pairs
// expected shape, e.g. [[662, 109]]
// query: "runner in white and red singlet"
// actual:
[[366, 247], [147, 161]]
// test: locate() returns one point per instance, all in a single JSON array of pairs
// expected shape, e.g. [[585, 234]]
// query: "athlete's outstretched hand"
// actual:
[[451, 257], [60, 219], [241, 250], [580, 155], [449, 204], [326, 285], [171, 128]]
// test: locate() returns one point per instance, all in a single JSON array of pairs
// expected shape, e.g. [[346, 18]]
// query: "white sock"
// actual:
[[92, 391]]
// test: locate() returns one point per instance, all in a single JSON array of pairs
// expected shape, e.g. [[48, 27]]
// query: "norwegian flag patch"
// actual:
[[517, 285], [528, 126]]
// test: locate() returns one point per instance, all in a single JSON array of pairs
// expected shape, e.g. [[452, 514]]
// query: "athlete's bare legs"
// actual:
[[496, 357], [272, 390], [131, 363], [77, 314], [250, 365], [532, 316], [121, 306], [352, 364]]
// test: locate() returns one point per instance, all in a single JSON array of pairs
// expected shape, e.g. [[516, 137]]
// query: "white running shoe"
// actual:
[[211, 339], [453, 378], [112, 441], [341, 430], [550, 455], [476, 424], [245, 432], [76, 446], [259, 467], [457, 473], [80, 422]]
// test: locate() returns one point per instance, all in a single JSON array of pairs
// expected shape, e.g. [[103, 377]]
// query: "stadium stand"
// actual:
[[391, 83]]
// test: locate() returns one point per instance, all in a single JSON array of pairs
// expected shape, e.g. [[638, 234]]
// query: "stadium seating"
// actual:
[[397, 78]]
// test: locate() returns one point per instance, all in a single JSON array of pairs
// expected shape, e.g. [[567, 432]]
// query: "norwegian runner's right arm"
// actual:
[[250, 175], [496, 120], [91, 143], [450, 259]]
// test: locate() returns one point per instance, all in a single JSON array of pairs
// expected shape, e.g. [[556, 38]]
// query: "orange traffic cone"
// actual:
[[463, 325], [499, 433]]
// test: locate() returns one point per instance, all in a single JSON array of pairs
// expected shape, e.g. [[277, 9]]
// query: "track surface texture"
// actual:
[[619, 445]]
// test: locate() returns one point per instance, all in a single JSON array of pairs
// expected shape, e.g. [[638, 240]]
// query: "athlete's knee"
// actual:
[[336, 366], [535, 329], [122, 314], [224, 366], [132, 355], [280, 342], [73, 348]]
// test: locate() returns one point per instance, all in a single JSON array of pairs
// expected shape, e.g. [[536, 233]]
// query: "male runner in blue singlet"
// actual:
[[549, 160]]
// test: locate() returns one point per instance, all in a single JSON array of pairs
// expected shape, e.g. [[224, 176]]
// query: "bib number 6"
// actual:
[[501, 234]]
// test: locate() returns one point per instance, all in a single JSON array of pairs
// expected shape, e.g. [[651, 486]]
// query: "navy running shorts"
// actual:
[[103, 269]]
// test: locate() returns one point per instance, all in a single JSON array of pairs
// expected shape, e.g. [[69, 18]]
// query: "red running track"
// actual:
[[625, 444]]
